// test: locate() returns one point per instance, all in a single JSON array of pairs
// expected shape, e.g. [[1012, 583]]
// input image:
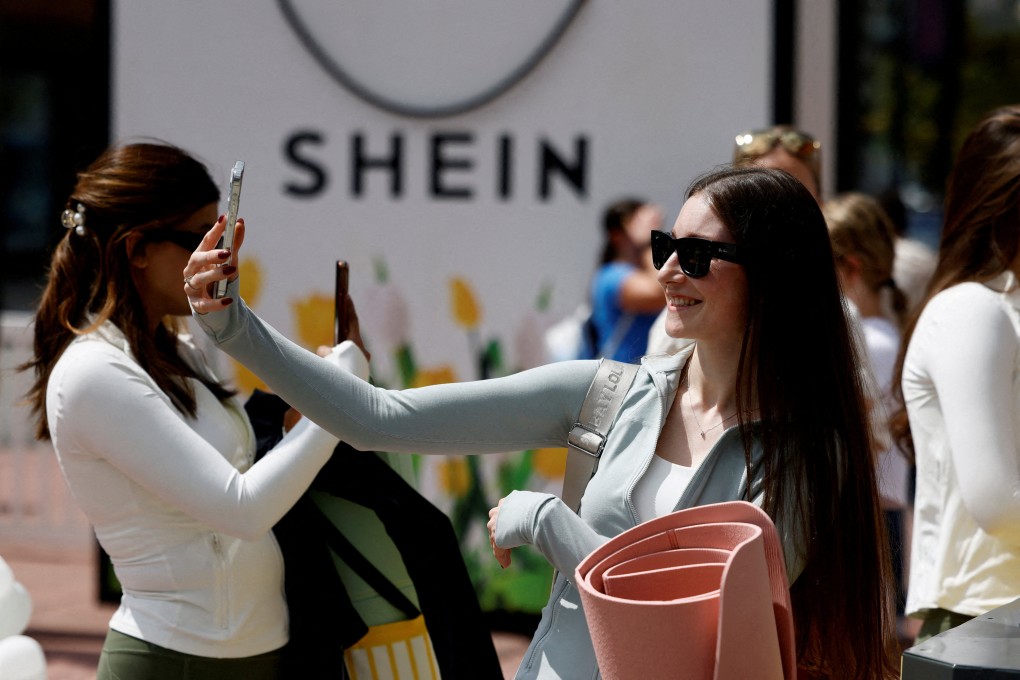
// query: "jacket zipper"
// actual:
[[222, 614]]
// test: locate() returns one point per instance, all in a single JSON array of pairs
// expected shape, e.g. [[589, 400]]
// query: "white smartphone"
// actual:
[[236, 175]]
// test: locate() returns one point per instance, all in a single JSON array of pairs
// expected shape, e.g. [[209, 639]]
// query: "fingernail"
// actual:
[[228, 301], [229, 270], [220, 218], [223, 254]]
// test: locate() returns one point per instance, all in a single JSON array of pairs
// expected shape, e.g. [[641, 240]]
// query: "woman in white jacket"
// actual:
[[960, 380], [156, 450]]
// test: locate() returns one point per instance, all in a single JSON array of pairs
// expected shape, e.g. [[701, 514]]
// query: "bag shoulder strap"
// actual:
[[587, 439]]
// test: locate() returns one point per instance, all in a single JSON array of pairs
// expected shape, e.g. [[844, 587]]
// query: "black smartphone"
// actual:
[[236, 175], [340, 321]]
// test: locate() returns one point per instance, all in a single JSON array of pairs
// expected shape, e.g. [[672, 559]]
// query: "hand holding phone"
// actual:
[[345, 319], [236, 175]]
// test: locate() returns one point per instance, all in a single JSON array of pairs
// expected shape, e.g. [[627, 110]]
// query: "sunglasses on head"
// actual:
[[189, 240], [694, 254], [757, 143]]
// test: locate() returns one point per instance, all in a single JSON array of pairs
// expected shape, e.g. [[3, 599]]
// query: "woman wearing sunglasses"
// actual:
[[156, 450], [960, 381], [780, 147], [757, 382]]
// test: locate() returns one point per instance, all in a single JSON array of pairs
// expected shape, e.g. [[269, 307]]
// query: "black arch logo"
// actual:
[[473, 100]]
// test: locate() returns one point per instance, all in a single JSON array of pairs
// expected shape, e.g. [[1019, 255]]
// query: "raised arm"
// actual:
[[156, 447], [532, 409]]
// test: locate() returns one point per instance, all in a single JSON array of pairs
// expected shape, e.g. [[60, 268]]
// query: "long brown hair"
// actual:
[[799, 368], [981, 229], [128, 189]]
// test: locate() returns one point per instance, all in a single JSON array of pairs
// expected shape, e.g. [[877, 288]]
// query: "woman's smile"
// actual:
[[678, 301]]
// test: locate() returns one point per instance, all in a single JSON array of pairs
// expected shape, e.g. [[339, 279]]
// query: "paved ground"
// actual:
[[70, 624]]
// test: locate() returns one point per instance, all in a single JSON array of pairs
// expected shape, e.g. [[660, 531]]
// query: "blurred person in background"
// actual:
[[863, 246], [783, 147], [625, 296], [915, 261]]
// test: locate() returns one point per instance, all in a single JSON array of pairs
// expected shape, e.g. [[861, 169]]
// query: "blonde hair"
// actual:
[[860, 227]]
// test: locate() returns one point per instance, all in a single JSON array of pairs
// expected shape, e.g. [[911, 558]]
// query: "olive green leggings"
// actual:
[[128, 658], [939, 621]]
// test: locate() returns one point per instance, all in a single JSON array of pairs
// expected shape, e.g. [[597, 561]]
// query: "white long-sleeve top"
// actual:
[[177, 502], [961, 384]]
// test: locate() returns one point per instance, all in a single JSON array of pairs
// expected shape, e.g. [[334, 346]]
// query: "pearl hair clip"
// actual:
[[74, 219]]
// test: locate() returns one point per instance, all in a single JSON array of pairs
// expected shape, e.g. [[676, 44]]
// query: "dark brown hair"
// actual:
[[800, 370], [128, 189], [981, 228], [615, 218]]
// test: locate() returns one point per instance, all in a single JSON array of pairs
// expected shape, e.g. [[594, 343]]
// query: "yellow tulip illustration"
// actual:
[[313, 320], [434, 376], [454, 477], [251, 280], [465, 307], [551, 463]]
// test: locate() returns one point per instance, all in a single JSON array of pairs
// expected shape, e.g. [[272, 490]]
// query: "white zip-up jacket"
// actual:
[[961, 386], [176, 501], [532, 409]]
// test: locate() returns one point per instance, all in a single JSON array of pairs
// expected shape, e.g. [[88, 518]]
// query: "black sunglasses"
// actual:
[[189, 240], [695, 254]]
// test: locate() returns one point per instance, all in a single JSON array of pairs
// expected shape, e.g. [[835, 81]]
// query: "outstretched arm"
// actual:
[[532, 409], [528, 410], [198, 467]]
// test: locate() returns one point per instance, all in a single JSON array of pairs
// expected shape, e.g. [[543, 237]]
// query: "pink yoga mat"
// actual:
[[699, 594]]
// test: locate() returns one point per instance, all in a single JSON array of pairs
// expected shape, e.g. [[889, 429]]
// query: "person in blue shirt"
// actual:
[[625, 296]]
